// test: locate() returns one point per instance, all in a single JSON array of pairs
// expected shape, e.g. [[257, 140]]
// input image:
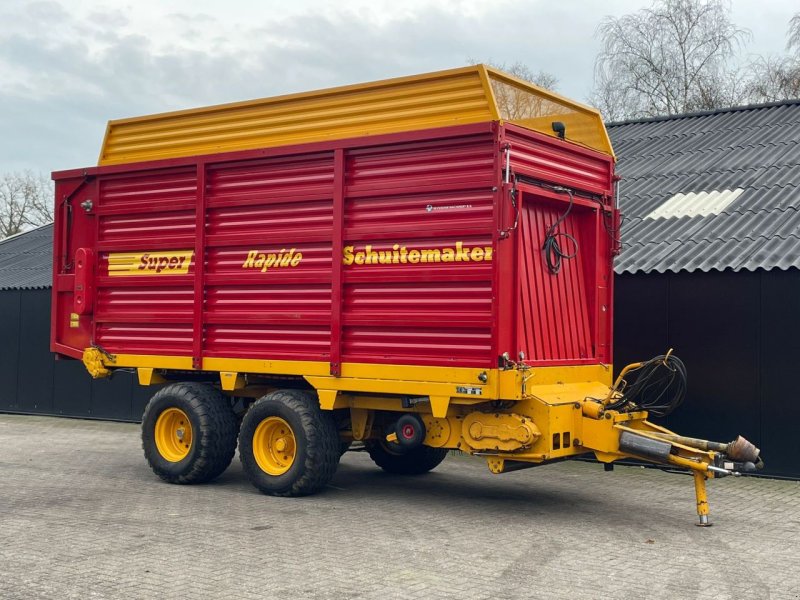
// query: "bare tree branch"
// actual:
[[794, 35], [670, 58], [776, 78], [26, 201], [512, 102]]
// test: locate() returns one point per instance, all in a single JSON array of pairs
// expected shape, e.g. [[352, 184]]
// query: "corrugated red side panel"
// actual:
[[138, 212], [403, 229], [403, 200], [544, 158], [279, 206], [564, 317], [556, 322]]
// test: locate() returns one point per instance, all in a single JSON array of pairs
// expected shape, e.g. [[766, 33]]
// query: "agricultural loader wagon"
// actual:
[[400, 264]]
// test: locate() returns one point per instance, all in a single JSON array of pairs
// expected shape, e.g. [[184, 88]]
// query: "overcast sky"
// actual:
[[68, 66]]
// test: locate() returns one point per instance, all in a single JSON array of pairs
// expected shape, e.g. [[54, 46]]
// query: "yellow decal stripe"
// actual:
[[170, 262]]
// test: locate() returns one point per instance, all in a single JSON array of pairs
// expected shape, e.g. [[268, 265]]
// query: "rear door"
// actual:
[[564, 266]]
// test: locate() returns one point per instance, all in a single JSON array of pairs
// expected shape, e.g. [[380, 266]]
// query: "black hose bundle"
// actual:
[[659, 387], [553, 254]]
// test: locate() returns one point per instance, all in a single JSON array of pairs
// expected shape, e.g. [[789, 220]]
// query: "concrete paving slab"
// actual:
[[82, 516]]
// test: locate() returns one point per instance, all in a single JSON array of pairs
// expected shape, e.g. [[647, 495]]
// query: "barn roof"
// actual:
[[710, 191], [26, 260]]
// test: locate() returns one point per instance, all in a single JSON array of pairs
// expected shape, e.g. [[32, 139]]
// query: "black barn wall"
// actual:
[[739, 335], [35, 383]]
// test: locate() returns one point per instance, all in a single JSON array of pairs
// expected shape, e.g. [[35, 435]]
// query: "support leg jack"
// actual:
[[702, 498]]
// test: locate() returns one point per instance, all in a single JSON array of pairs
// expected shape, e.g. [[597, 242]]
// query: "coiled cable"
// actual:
[[553, 253], [659, 387]]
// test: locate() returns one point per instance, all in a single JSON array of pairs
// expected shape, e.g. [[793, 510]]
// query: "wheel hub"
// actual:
[[274, 446], [173, 434]]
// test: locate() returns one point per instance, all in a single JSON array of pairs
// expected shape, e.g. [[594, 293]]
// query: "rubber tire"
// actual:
[[418, 432], [214, 429], [411, 462], [316, 437]]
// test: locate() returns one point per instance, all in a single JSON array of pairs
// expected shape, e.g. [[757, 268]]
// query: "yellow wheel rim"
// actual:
[[274, 446], [173, 434]]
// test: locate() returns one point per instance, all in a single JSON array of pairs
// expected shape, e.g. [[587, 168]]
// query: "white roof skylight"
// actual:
[[696, 204]]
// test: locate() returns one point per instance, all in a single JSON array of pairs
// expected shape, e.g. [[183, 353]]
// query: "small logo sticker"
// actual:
[[432, 208], [470, 391]]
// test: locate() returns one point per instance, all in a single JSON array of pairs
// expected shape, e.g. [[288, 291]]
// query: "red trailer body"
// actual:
[[403, 249], [394, 264]]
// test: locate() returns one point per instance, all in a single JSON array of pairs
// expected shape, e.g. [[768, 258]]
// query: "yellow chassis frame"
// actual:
[[531, 415]]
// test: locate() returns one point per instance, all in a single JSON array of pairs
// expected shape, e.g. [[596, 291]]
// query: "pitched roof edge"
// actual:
[[25, 288], [26, 232], [673, 270], [704, 113]]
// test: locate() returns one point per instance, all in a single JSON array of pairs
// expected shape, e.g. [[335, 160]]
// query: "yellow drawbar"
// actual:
[[471, 94]]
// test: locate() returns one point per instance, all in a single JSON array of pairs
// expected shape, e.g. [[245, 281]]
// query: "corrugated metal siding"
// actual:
[[143, 338], [144, 303], [423, 313], [282, 207], [558, 161], [451, 163], [418, 196], [157, 230], [441, 99], [754, 148], [245, 182], [432, 194], [416, 264], [148, 211], [272, 199], [562, 317], [300, 342], [557, 319], [154, 191], [26, 260], [407, 104]]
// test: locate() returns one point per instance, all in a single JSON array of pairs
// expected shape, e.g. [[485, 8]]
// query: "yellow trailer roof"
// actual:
[[471, 94]]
